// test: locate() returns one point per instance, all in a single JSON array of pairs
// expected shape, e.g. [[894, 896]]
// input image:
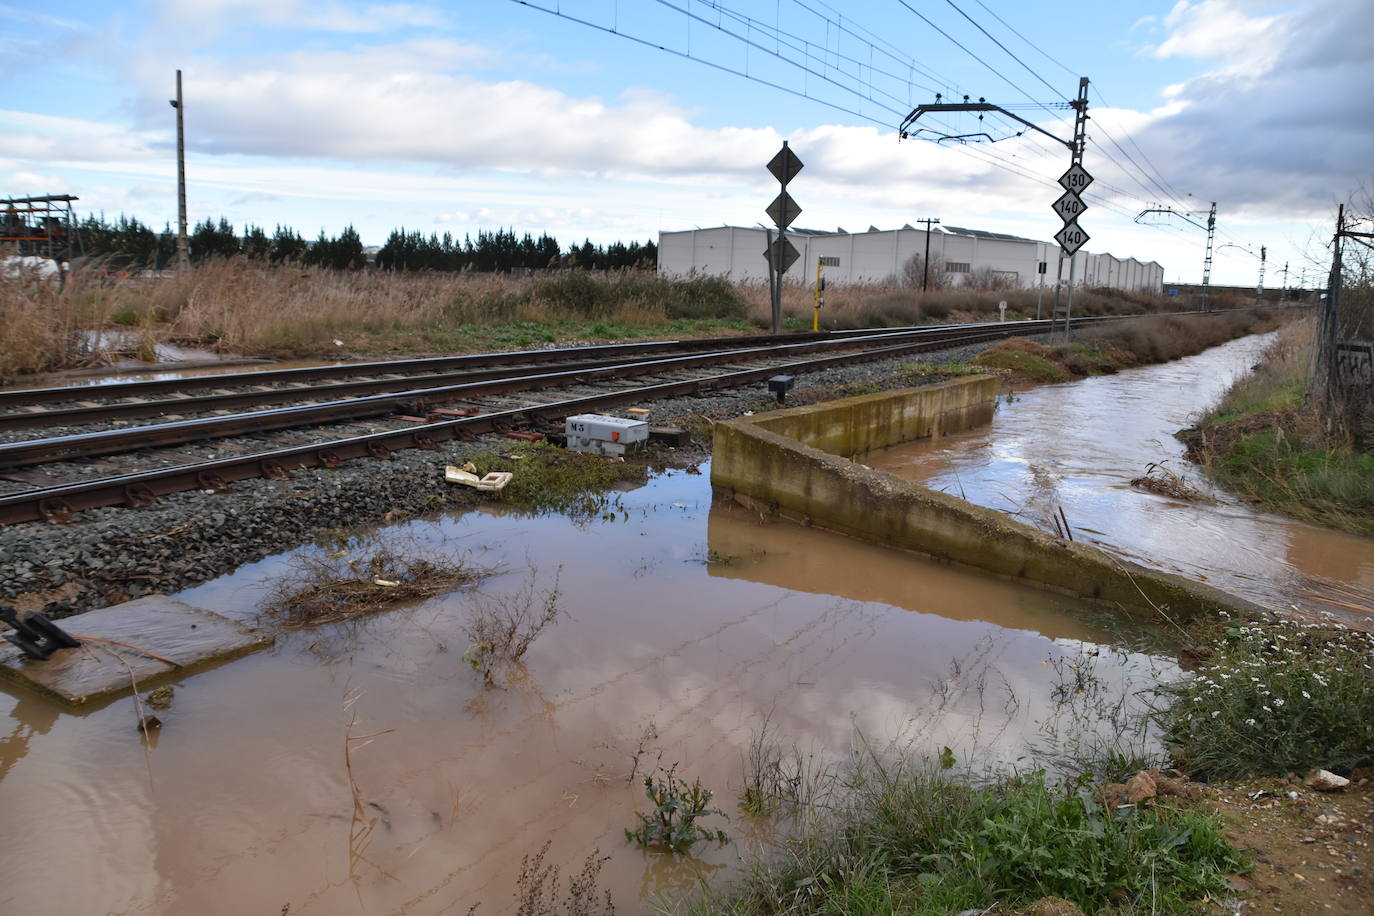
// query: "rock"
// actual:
[[1140, 787], [1326, 781], [1190, 658], [1174, 786], [1053, 906]]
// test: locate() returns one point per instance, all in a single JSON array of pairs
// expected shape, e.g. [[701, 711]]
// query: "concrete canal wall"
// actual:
[[796, 462]]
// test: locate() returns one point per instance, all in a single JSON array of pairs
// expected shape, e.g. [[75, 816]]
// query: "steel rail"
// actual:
[[60, 501], [34, 396], [101, 413], [133, 410], [416, 400]]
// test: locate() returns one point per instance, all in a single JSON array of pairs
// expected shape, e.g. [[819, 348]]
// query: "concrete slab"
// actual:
[[191, 636]]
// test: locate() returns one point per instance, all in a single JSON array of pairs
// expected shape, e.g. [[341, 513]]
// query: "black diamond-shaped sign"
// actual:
[[783, 210], [1071, 237], [784, 254], [1069, 206], [1076, 179], [785, 165]]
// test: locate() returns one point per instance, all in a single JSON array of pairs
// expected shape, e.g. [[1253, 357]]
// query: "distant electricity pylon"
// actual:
[[1211, 229], [1263, 256]]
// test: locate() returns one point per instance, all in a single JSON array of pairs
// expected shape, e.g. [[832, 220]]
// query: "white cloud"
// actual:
[[1284, 121], [209, 16], [1213, 30], [48, 137]]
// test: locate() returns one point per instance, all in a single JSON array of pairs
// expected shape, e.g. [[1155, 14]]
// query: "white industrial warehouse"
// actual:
[[878, 256]]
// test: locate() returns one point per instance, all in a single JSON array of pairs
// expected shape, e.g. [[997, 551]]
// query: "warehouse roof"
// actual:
[[983, 234]]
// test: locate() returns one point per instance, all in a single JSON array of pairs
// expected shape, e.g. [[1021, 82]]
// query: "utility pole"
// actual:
[[1080, 141], [1285, 279], [183, 246], [925, 265], [1259, 290], [1207, 259], [1071, 237]]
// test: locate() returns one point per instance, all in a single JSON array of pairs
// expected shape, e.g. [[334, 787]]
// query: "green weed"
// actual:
[[924, 373], [551, 479], [911, 840], [677, 806]]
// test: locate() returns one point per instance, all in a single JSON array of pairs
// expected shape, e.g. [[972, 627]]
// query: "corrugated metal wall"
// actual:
[[879, 257]]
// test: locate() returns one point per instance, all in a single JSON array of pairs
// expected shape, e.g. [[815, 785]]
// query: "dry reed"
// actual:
[[329, 589]]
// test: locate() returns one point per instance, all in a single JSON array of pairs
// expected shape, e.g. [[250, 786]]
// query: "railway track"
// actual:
[[350, 411]]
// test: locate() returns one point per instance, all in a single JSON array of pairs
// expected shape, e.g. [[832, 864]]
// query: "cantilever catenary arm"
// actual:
[[977, 106]]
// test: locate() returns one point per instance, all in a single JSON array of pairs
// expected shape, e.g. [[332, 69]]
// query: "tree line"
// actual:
[[127, 243]]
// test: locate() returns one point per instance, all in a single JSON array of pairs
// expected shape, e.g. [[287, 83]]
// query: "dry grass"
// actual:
[[41, 322], [1166, 482], [332, 588], [1136, 342], [849, 307], [1160, 338], [257, 309], [502, 627]]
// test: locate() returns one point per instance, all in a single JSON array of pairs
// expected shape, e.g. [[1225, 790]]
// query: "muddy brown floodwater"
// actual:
[[1078, 445], [686, 625]]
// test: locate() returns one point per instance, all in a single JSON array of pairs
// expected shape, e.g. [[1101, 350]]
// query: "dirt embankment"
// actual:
[[1138, 342], [1311, 851], [1266, 442]]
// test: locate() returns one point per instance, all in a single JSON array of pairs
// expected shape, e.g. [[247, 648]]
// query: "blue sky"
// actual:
[[483, 113]]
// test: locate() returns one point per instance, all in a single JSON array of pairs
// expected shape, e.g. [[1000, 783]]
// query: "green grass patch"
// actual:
[[520, 334], [1031, 365], [550, 479], [1331, 486], [911, 840], [1263, 444], [924, 373], [1276, 698], [1248, 401]]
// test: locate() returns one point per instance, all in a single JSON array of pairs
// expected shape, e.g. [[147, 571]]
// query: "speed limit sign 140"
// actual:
[[1071, 238]]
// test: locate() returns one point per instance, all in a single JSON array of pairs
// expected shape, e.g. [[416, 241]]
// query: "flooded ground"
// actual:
[[685, 626], [1078, 445], [175, 365]]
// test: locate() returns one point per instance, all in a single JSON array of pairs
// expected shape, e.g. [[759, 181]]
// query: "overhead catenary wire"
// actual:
[[1153, 174], [887, 48], [778, 34], [1010, 54], [986, 157], [688, 55], [1000, 75]]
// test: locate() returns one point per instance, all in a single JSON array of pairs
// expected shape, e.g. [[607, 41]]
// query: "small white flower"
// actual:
[[1251, 722], [1278, 701], [1215, 713], [1267, 709], [1306, 695]]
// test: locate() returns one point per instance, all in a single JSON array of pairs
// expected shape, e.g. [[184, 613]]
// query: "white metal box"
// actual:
[[599, 434]]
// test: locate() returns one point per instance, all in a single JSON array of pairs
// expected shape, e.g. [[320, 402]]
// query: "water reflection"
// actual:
[[668, 654]]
